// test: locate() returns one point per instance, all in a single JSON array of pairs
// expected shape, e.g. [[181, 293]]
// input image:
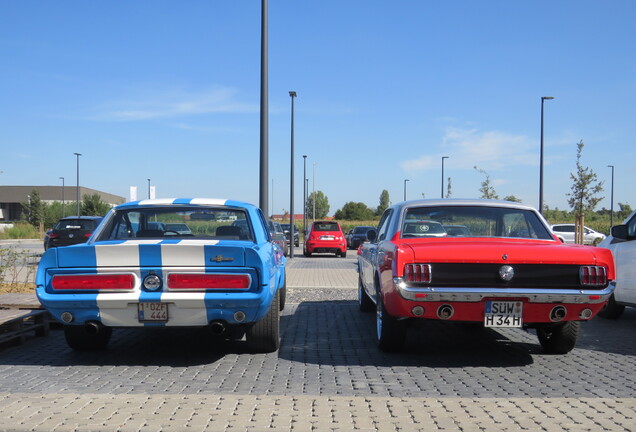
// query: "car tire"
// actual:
[[264, 335], [80, 338], [559, 338], [611, 310], [283, 295], [343, 254], [364, 301], [391, 332], [307, 254]]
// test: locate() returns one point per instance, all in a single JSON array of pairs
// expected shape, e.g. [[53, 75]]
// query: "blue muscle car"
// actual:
[[223, 272]]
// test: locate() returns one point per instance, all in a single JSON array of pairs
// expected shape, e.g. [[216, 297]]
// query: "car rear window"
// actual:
[[326, 226], [178, 222], [75, 224]]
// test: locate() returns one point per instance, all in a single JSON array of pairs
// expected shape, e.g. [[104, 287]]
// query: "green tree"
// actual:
[[585, 188], [317, 201], [34, 209], [384, 203], [487, 189], [92, 205], [512, 198], [354, 211], [624, 211], [448, 188]]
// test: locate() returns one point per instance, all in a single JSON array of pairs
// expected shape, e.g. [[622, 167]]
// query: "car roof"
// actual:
[[81, 218], [204, 202], [462, 202]]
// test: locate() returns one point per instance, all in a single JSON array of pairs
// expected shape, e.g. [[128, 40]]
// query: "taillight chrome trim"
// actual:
[[102, 282], [592, 276], [198, 281], [417, 273]]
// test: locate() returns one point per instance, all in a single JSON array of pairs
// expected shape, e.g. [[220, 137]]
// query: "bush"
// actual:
[[20, 230]]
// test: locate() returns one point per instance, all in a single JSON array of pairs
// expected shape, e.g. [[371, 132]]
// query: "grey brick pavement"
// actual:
[[328, 375]]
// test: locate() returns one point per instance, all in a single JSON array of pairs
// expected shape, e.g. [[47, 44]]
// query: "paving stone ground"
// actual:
[[327, 376]]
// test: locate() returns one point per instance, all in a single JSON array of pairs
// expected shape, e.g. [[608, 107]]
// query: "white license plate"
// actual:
[[503, 313], [326, 237], [153, 311]]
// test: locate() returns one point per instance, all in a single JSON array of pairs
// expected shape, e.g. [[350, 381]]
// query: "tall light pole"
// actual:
[[612, 199], [264, 147], [443, 157], [78, 191], [63, 212], [304, 193], [314, 193], [543, 98], [405, 180], [292, 94]]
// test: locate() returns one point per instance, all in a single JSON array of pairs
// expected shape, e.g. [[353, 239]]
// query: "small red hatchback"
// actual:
[[325, 237]]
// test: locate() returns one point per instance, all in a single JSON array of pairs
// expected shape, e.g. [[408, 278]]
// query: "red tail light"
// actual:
[[53, 235], [87, 235], [417, 273], [208, 281], [93, 282], [593, 276]]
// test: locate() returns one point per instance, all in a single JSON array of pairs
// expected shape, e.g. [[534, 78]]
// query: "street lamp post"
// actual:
[[292, 94], [264, 117], [304, 193], [405, 180], [443, 157], [543, 98], [63, 213], [612, 199], [78, 187], [314, 193]]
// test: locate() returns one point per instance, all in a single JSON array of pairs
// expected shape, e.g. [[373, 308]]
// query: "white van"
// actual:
[[622, 243]]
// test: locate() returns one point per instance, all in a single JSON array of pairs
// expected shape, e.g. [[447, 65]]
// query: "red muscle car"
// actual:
[[493, 262]]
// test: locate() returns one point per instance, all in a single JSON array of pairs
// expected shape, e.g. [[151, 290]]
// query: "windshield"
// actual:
[[177, 222], [326, 226], [473, 221]]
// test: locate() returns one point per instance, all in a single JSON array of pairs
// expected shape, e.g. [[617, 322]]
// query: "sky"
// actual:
[[170, 91]]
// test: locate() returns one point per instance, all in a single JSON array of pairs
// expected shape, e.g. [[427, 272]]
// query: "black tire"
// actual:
[[559, 338], [79, 338], [364, 301], [264, 335], [343, 254], [307, 254], [611, 310], [391, 332], [283, 295]]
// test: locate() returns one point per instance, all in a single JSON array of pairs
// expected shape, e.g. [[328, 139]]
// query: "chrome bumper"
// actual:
[[534, 295]]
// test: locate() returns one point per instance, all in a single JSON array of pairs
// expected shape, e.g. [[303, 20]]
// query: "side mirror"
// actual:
[[372, 235], [620, 232]]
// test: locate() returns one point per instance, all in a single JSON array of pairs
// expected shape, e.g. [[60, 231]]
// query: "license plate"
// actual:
[[503, 313], [153, 312], [326, 237]]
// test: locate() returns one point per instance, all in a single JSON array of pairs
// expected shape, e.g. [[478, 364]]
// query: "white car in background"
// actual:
[[622, 243], [565, 232]]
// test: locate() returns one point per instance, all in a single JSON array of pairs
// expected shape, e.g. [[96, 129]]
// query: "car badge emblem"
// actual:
[[71, 235], [504, 257], [506, 273], [152, 282], [221, 258]]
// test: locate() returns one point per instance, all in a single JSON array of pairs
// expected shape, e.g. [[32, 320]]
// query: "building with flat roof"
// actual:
[[12, 197]]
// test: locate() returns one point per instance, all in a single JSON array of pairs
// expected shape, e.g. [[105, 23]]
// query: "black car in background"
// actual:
[[71, 230], [296, 235], [278, 235], [356, 236]]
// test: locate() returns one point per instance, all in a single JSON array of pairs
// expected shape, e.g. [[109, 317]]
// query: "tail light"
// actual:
[[94, 282], [593, 276], [185, 281], [87, 235], [53, 235], [417, 273]]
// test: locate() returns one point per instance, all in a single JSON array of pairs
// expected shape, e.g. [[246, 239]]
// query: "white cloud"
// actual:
[[488, 150], [174, 104]]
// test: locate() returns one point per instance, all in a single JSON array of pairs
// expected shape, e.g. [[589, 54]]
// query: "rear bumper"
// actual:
[[533, 295], [326, 246]]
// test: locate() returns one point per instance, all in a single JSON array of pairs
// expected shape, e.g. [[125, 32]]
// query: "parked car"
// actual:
[[357, 235], [130, 274], [179, 228], [325, 237], [622, 243], [296, 235], [278, 235], [566, 233], [510, 271], [71, 230]]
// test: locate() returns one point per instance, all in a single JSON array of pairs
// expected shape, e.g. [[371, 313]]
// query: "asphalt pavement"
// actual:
[[327, 376]]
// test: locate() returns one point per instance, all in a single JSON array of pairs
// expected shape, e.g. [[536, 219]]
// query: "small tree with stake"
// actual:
[[583, 197]]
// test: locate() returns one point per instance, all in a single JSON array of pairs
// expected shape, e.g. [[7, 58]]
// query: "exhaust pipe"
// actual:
[[558, 313], [445, 311], [217, 327], [93, 327]]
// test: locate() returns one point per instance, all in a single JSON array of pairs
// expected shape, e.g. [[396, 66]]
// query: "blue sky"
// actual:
[[170, 90]]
